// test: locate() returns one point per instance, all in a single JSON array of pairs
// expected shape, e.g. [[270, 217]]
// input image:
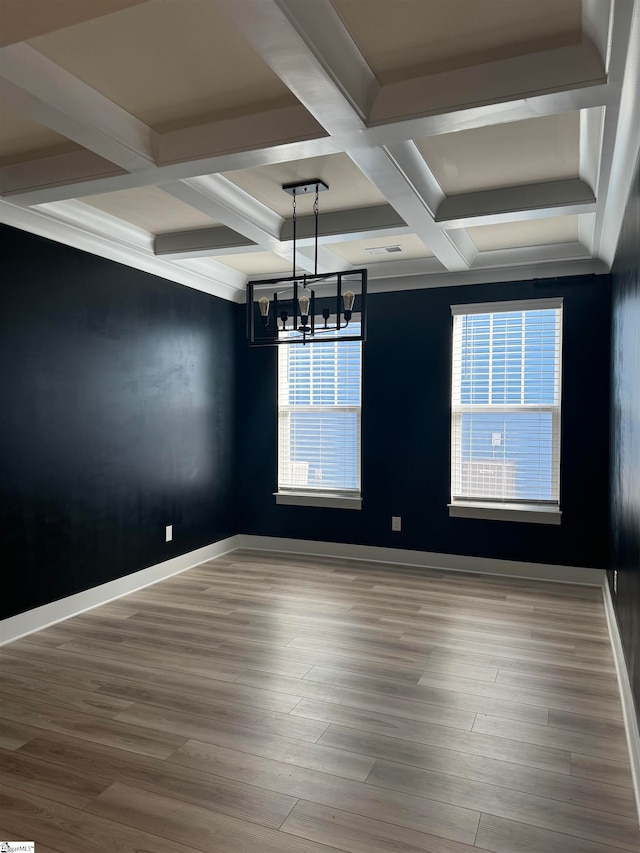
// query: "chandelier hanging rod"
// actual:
[[301, 188]]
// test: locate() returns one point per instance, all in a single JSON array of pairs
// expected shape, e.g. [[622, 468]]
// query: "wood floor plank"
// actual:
[[601, 747], [71, 830], [90, 656], [220, 704], [545, 758], [113, 677], [430, 695], [357, 660], [602, 769], [536, 664], [453, 822], [545, 813], [358, 834], [583, 702], [437, 714], [13, 734], [314, 756], [506, 836], [60, 784], [195, 726], [114, 732], [190, 659], [187, 633], [588, 725], [557, 786], [194, 825], [265, 628], [578, 684], [101, 766], [474, 624], [14, 689]]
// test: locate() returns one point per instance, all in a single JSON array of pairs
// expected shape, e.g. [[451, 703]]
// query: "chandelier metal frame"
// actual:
[[300, 307]]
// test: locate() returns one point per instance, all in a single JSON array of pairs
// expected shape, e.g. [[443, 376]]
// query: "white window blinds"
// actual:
[[505, 412], [319, 417]]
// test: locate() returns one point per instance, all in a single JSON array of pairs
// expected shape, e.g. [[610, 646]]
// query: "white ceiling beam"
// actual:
[[586, 227], [322, 29], [621, 129], [387, 175], [596, 26], [528, 255], [279, 127], [334, 227], [413, 269], [353, 224], [418, 173], [226, 203], [511, 204], [328, 261], [312, 52], [518, 108], [530, 75], [202, 243], [464, 244], [59, 170], [590, 144], [62, 102]]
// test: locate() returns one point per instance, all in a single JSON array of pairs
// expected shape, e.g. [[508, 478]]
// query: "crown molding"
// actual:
[[108, 237]]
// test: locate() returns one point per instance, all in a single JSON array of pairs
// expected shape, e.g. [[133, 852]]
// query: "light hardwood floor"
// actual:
[[279, 704]]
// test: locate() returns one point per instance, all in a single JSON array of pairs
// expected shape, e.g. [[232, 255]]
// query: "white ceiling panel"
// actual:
[[150, 208], [535, 232], [520, 152], [167, 63]]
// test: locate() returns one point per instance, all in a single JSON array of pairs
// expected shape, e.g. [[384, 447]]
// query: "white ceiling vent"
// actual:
[[383, 250]]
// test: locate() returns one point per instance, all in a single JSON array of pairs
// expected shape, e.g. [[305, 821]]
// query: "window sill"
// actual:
[[322, 500], [528, 513]]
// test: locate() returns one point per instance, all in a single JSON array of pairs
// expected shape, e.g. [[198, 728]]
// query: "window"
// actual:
[[319, 423], [505, 410]]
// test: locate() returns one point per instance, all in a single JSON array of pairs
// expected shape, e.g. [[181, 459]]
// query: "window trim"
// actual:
[[326, 499], [540, 512], [528, 513], [319, 497]]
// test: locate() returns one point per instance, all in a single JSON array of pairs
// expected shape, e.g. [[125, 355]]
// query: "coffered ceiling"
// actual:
[[462, 142]]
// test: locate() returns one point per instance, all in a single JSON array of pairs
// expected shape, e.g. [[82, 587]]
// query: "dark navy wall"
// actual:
[[406, 428], [625, 436], [116, 419]]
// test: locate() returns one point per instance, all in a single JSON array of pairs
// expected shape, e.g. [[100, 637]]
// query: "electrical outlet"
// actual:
[[615, 582], [168, 533], [396, 523]]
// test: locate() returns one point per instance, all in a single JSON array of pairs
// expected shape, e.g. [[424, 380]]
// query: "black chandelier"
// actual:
[[308, 308]]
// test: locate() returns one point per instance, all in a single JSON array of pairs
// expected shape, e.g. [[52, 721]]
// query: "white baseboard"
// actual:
[[628, 705], [425, 559], [48, 614]]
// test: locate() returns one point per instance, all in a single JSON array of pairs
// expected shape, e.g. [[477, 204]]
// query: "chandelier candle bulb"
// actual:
[[264, 309], [303, 302]]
